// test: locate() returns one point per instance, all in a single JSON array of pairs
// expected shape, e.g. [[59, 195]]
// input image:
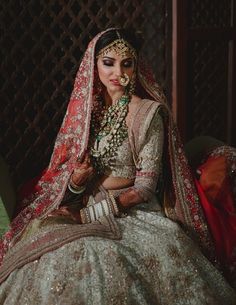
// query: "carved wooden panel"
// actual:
[[208, 88], [204, 72], [209, 13]]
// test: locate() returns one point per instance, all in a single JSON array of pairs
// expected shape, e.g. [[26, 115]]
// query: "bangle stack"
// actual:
[[104, 207], [76, 189]]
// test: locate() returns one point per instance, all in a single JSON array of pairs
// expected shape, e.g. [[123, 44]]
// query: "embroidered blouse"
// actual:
[[145, 165]]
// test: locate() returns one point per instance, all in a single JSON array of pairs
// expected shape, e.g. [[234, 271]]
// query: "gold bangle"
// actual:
[[82, 216], [114, 204]]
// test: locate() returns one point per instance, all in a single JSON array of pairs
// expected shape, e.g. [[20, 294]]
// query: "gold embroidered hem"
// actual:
[[52, 236], [154, 263]]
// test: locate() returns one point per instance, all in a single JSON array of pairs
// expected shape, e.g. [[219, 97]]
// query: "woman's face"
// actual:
[[111, 67]]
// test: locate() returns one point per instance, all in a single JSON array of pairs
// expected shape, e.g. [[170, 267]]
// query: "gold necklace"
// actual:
[[113, 129]]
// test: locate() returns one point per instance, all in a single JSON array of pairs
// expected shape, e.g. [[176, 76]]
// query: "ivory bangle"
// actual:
[[92, 213], [99, 209], [76, 190]]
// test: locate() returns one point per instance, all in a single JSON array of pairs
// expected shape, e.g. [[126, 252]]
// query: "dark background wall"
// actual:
[[41, 45]]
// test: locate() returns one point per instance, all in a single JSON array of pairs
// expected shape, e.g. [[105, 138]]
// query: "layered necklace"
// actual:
[[108, 124]]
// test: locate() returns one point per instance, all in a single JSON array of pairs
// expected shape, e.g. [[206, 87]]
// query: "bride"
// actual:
[[115, 218]]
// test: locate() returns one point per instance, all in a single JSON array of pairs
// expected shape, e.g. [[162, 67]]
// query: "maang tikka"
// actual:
[[120, 46]]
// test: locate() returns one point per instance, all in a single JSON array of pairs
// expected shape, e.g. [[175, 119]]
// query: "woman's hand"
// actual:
[[67, 212], [83, 171]]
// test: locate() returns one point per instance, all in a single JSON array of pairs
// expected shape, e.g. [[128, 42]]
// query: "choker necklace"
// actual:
[[108, 123]]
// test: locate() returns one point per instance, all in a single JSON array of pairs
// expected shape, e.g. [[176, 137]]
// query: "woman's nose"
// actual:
[[118, 70]]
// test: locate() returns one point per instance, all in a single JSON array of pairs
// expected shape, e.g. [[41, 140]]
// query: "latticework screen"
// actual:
[[209, 88], [209, 13], [208, 68], [41, 45]]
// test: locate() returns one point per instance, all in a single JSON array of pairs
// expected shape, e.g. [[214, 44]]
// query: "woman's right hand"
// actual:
[[83, 171]]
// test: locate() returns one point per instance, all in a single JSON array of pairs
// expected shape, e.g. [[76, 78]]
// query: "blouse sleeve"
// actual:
[[150, 159]]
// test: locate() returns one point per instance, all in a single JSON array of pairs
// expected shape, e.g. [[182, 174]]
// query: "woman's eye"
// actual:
[[127, 64], [108, 63]]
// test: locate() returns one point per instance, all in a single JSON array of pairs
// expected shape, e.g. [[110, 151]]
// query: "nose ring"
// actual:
[[124, 80]]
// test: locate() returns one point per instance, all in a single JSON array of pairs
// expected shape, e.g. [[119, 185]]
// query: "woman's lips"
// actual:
[[115, 82]]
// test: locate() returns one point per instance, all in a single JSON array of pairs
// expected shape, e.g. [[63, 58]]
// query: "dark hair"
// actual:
[[109, 36]]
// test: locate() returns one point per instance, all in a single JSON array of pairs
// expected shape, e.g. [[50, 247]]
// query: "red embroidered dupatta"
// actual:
[[72, 141]]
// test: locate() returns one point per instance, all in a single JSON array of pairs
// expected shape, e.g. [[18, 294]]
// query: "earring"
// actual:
[[132, 86]]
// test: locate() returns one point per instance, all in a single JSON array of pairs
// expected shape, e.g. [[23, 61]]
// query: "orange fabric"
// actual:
[[218, 202], [213, 175]]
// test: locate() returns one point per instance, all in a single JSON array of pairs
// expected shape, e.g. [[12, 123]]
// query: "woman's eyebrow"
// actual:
[[107, 57], [111, 58], [128, 58]]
